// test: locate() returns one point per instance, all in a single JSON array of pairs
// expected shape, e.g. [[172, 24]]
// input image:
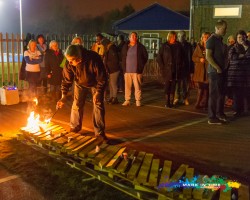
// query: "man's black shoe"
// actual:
[[214, 121], [223, 118], [75, 130], [103, 138], [115, 101]]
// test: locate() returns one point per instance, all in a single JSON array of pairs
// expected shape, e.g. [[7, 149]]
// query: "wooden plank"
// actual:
[[187, 192], [45, 132], [79, 148], [112, 164], [55, 136], [93, 153], [73, 141], [48, 128], [136, 166], [84, 152], [51, 132], [165, 175], [121, 168], [111, 153], [153, 176], [225, 195], [179, 173], [102, 154], [198, 192], [65, 139], [144, 170], [243, 192]]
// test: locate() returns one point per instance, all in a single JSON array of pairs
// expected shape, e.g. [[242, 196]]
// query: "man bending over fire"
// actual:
[[86, 69]]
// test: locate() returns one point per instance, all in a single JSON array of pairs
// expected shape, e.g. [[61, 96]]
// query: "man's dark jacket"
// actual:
[[89, 73], [142, 57]]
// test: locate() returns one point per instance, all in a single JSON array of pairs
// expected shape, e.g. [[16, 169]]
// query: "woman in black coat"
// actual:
[[238, 71], [53, 60], [170, 60], [111, 61]]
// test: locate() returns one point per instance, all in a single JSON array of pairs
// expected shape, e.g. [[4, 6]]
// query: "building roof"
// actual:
[[154, 17]]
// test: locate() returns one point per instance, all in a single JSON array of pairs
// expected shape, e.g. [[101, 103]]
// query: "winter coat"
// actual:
[[239, 68], [88, 73], [142, 57], [188, 63], [111, 59], [170, 60], [200, 69], [52, 64]]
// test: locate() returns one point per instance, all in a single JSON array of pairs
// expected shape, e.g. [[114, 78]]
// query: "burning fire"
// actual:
[[35, 100], [47, 121], [33, 121]]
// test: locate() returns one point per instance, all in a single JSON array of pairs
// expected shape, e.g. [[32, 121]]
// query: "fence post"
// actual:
[[7, 56], [13, 59], [19, 45], [2, 57]]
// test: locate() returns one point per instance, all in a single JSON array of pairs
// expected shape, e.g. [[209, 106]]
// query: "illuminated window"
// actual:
[[227, 11]]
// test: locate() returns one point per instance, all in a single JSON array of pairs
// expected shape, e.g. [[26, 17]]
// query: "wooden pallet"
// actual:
[[139, 171]]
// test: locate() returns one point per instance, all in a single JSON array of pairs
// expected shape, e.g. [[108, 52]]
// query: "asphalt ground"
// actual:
[[179, 134]]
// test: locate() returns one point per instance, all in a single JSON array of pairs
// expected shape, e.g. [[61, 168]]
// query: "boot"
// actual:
[[114, 100], [198, 99], [171, 100], [109, 101], [205, 98], [167, 105]]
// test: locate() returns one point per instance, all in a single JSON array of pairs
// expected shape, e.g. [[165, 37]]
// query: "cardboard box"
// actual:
[[9, 95]]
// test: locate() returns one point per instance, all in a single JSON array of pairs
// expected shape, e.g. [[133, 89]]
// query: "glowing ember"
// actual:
[[47, 121]]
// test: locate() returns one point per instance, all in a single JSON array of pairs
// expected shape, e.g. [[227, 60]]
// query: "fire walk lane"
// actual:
[[181, 134]]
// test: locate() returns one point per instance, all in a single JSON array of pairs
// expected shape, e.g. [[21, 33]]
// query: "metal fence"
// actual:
[[11, 55]]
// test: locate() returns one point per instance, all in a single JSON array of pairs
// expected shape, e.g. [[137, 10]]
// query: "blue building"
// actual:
[[152, 25]]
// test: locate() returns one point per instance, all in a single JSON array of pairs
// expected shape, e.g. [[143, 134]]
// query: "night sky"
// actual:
[[35, 11]]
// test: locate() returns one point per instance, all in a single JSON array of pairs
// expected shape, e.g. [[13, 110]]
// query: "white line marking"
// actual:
[[2, 180], [178, 110], [169, 130]]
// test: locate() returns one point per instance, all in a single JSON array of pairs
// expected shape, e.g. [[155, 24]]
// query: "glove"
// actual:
[[61, 102]]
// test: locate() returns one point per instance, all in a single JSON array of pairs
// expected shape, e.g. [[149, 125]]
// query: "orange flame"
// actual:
[[47, 121], [33, 121], [35, 100]]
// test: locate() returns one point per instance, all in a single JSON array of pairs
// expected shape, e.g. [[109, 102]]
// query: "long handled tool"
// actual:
[[52, 115]]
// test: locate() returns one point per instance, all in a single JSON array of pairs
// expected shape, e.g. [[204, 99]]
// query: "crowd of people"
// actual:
[[217, 71]]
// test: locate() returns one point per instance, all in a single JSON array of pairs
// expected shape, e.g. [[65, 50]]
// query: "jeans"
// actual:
[[77, 110], [136, 79], [217, 88], [113, 84], [182, 89]]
